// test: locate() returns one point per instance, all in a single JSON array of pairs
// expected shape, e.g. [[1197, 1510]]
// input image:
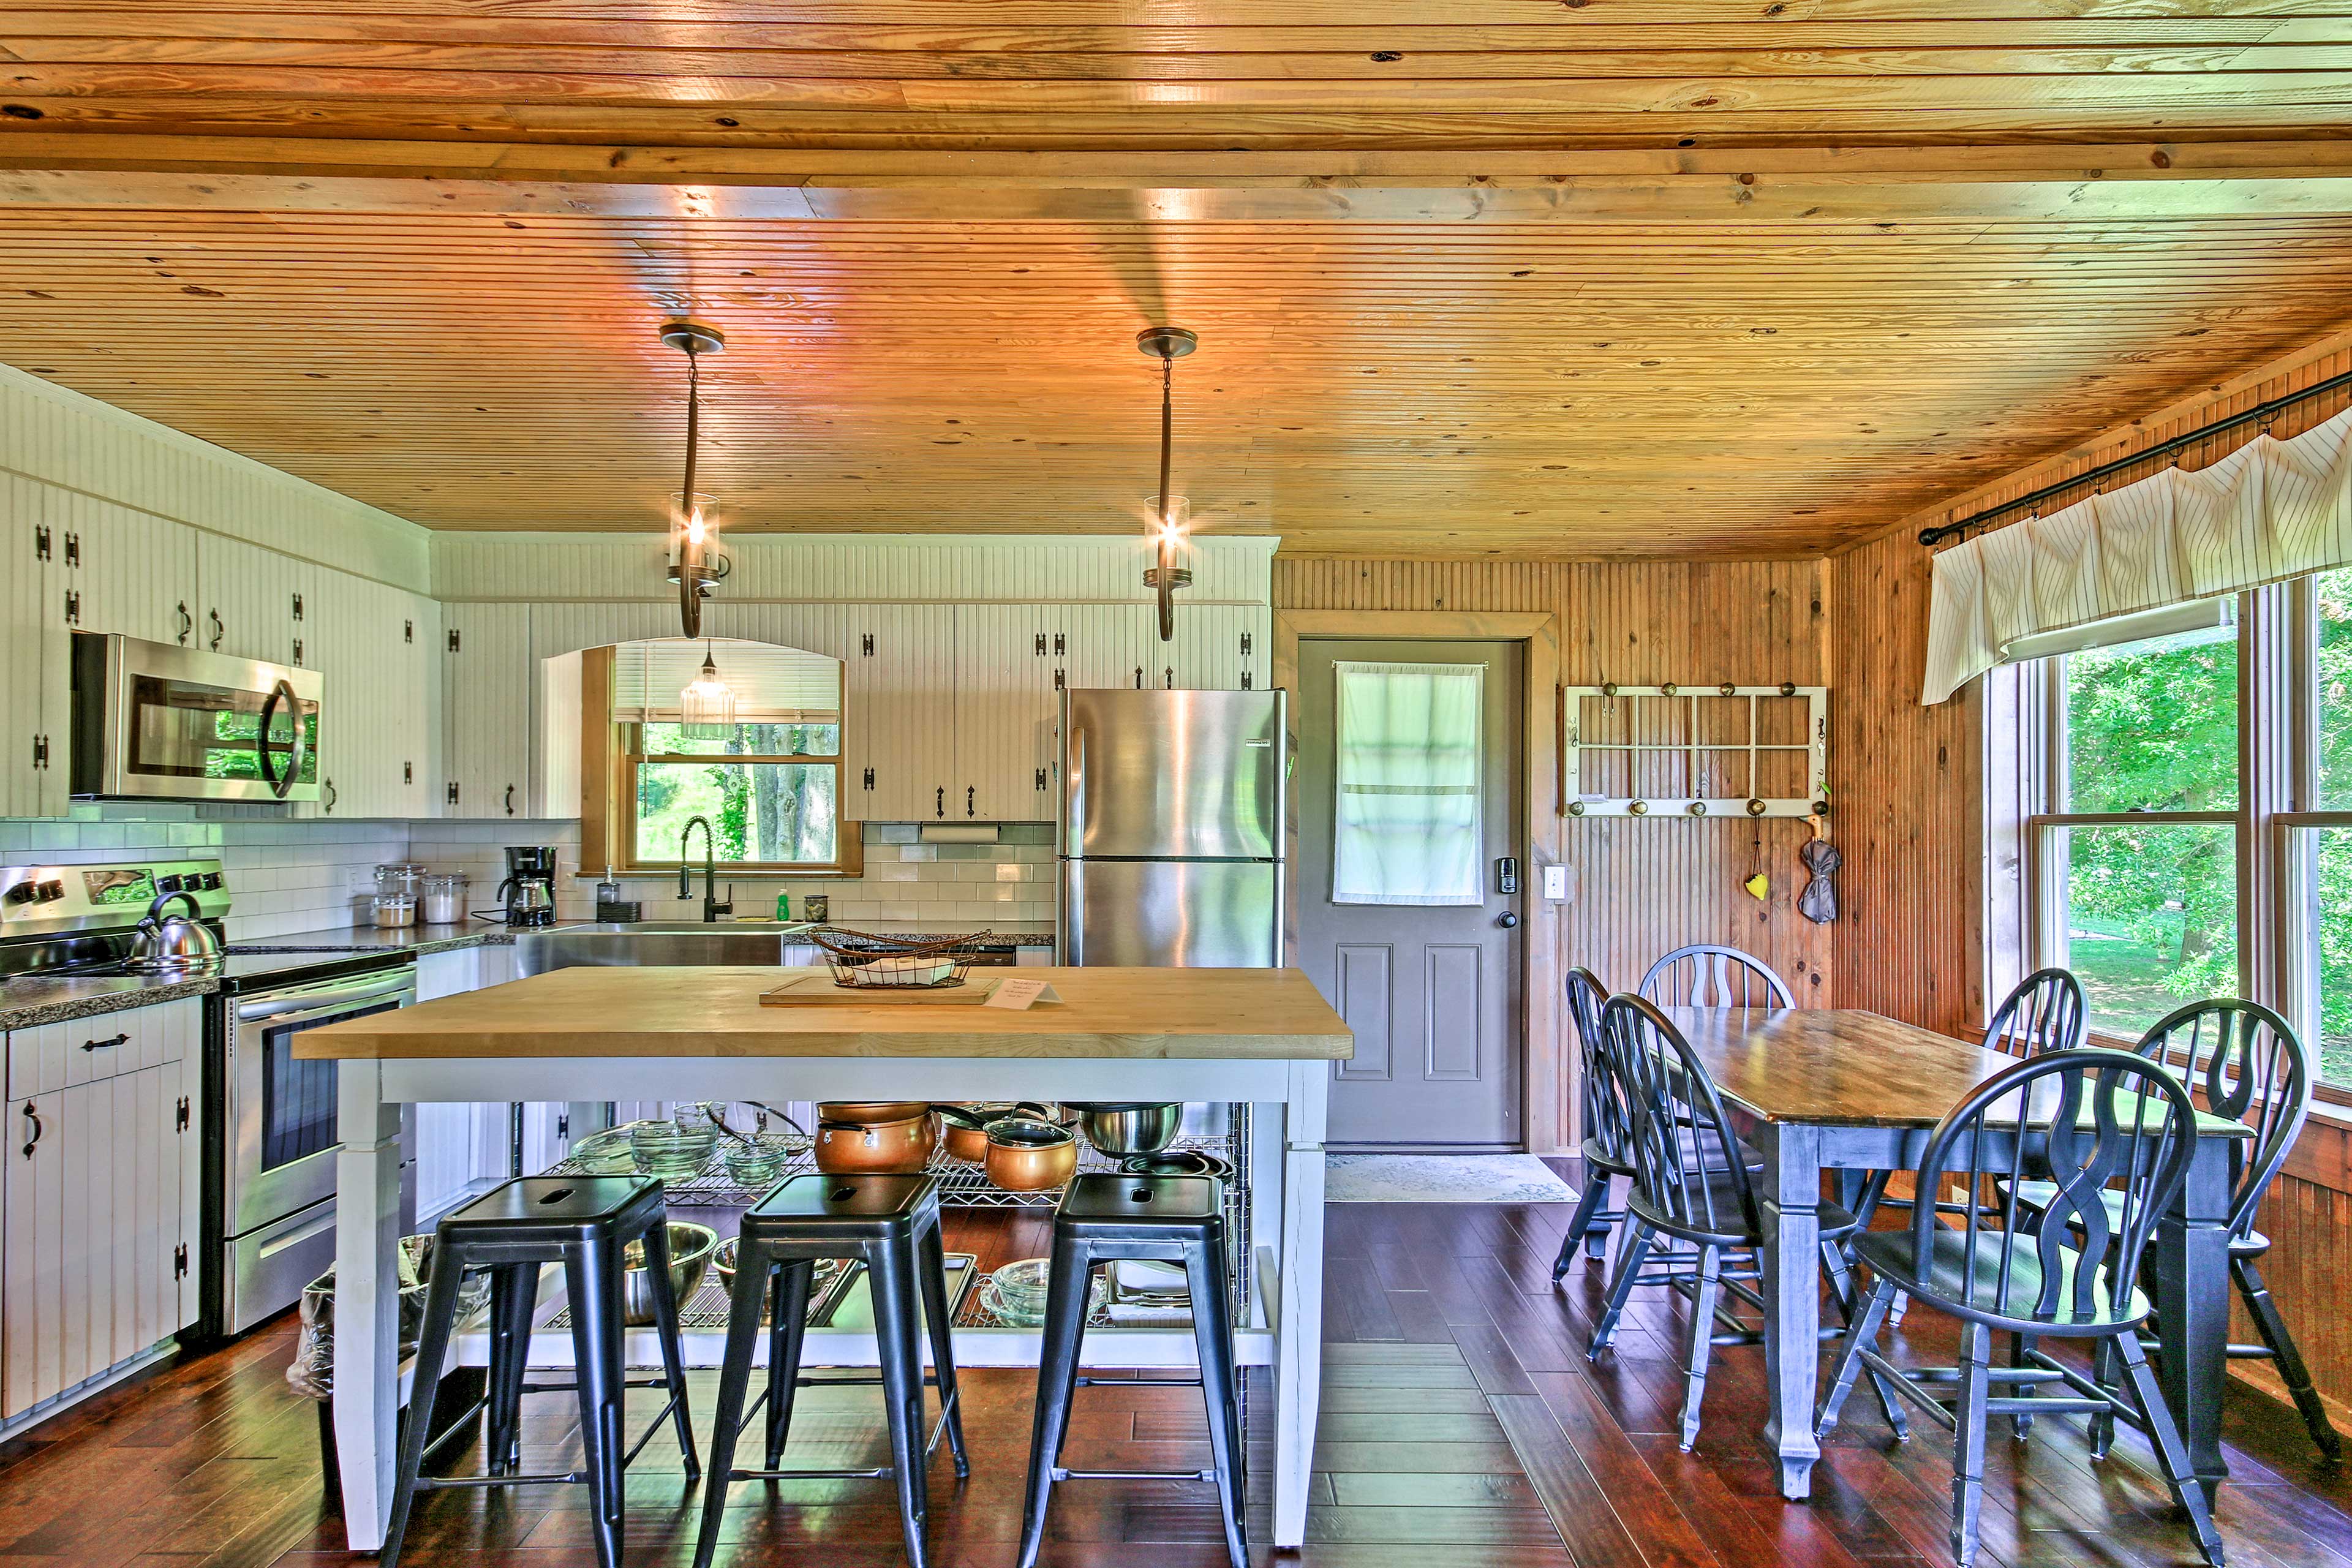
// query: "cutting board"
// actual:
[[819, 990]]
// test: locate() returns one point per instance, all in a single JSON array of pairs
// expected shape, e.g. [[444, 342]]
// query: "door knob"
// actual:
[[1506, 920]]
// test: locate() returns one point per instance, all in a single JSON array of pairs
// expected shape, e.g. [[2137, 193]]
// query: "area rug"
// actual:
[[1443, 1179]]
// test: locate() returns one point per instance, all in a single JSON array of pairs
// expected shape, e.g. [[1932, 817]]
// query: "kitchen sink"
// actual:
[[735, 943]]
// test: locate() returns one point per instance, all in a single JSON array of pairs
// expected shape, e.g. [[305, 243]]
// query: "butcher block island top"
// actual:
[[646, 1011]]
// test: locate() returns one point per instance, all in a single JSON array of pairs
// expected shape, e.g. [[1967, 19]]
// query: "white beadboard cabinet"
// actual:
[[489, 675], [902, 716], [246, 597], [128, 572], [32, 734], [101, 1195], [376, 647]]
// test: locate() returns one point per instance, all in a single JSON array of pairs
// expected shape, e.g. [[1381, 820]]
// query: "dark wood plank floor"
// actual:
[[1462, 1426]]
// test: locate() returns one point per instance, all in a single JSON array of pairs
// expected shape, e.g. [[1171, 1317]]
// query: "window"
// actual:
[[769, 783], [2137, 866], [2318, 894]]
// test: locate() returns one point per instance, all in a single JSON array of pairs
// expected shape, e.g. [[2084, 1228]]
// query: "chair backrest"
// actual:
[[1714, 977], [2101, 1119], [2043, 1013], [1607, 1120], [1686, 1156], [2252, 1069]]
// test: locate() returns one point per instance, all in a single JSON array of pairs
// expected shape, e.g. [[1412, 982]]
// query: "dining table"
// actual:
[[1819, 1090]]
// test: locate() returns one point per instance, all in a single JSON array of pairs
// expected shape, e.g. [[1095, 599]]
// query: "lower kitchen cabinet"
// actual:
[[100, 1198]]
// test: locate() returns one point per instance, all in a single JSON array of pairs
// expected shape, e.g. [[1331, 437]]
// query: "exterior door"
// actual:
[[1432, 989]]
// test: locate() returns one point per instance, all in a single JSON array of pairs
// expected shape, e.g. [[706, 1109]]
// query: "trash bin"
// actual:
[[311, 1373]]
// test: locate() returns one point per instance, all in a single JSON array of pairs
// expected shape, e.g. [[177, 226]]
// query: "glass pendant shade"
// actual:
[[707, 705]]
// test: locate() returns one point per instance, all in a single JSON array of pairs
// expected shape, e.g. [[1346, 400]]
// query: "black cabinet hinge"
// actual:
[[298, 607], [1245, 644], [408, 772], [41, 541], [180, 1116], [453, 639], [408, 631], [73, 549], [1246, 681], [298, 651], [1060, 678], [180, 1261], [1041, 778], [1041, 645], [564, 1126], [869, 778], [453, 792], [866, 644], [40, 751], [73, 608], [1059, 647]]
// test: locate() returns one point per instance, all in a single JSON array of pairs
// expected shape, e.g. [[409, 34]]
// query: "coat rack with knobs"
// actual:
[[1674, 750]]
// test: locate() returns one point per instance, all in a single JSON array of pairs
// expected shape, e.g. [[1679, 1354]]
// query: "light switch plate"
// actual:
[[1555, 883]]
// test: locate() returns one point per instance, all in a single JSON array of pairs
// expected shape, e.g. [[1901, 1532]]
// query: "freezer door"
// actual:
[[1174, 774], [1172, 914]]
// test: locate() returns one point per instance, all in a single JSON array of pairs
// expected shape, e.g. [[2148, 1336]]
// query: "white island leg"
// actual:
[[1299, 1336], [367, 1300]]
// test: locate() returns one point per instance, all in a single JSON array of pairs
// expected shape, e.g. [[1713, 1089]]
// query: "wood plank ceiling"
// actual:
[[1473, 277]]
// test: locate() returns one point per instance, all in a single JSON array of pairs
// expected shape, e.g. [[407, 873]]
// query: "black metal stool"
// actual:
[[1171, 1219], [891, 1223], [587, 1224]]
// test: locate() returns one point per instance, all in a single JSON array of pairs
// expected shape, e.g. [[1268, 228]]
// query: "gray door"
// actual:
[[1431, 990]]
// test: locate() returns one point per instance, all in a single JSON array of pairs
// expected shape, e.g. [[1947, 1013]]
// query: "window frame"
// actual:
[[628, 739]]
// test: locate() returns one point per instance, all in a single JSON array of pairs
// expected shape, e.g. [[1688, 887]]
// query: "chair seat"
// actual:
[[1836, 1223], [2036, 1195], [1951, 1284], [1598, 1159]]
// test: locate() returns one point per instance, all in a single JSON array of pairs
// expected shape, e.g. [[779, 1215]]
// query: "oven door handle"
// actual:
[[307, 1004]]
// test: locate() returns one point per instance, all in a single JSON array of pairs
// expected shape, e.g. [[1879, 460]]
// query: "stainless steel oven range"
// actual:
[[275, 1151]]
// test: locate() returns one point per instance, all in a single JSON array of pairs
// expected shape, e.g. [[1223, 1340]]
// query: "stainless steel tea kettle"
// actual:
[[176, 944]]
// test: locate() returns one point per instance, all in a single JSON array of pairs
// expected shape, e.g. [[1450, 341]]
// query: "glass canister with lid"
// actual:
[[442, 900], [397, 888]]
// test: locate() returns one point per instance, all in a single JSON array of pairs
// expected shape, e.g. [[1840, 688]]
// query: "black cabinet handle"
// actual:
[[35, 1135], [333, 794], [939, 807], [106, 1045], [510, 799], [219, 631], [968, 792], [187, 623]]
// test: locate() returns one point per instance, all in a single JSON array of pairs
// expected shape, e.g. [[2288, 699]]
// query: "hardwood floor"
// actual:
[[1462, 1426]]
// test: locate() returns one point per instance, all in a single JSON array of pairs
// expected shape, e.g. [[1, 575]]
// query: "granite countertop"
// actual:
[[31, 1000], [416, 939]]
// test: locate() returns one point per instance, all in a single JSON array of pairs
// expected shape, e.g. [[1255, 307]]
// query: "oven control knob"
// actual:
[[170, 884], [212, 881], [51, 891], [22, 893]]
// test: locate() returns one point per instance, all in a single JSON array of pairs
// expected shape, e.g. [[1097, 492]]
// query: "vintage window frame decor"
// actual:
[[1814, 803]]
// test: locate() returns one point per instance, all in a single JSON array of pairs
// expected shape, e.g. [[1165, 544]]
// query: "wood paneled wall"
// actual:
[[1910, 785], [1638, 887]]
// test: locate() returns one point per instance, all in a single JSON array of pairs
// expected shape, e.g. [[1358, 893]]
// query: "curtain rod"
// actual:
[[2259, 411]]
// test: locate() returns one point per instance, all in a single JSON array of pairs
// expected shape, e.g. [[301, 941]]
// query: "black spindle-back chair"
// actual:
[[2043, 1013], [2088, 1122], [1608, 1145], [1706, 976]]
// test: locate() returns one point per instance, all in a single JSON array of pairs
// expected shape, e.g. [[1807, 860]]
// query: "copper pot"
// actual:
[[966, 1134], [897, 1144], [1027, 1155]]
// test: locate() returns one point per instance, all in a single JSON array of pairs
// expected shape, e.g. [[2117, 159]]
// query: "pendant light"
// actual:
[[1170, 514], [694, 566], [707, 705]]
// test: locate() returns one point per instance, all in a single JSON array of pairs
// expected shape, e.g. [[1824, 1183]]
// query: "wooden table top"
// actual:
[[646, 1011], [1833, 1067]]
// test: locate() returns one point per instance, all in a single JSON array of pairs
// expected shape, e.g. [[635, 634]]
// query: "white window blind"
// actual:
[[772, 685], [1407, 827]]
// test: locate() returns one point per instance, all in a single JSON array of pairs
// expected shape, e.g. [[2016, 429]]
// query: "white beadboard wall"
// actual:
[[93, 449], [852, 568]]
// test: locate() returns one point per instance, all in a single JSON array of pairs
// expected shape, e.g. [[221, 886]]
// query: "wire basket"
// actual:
[[863, 958]]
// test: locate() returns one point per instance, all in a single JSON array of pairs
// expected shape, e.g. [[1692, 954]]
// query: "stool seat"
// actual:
[[891, 1223], [844, 1208], [1103, 1218], [587, 1225]]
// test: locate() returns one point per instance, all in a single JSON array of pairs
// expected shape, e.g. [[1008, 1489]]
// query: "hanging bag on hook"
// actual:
[[1818, 903]]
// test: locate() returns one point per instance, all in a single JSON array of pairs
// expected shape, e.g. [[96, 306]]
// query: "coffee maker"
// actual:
[[528, 895]]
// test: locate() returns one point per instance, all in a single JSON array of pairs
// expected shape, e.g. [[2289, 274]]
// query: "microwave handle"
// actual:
[[279, 783]]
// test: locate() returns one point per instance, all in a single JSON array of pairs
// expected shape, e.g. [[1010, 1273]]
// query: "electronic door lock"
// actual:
[[1507, 875]]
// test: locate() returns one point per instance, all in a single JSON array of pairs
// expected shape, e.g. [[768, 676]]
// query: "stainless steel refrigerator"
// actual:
[[1170, 832]]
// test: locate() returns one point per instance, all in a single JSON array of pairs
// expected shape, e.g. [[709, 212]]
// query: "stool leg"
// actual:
[[592, 1275], [787, 1327], [1212, 1335], [673, 1350], [432, 1349], [1067, 1290], [734, 1383], [514, 1296], [931, 1264], [890, 1269]]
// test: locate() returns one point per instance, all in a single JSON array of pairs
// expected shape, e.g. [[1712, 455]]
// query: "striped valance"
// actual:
[[2268, 511]]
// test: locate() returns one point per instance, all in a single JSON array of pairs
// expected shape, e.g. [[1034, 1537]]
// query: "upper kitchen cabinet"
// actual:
[[126, 572], [901, 717], [33, 739], [252, 602], [1011, 662], [487, 678], [376, 647], [1217, 648]]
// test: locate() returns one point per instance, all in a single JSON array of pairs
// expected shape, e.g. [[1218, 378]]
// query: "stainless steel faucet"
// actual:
[[711, 906]]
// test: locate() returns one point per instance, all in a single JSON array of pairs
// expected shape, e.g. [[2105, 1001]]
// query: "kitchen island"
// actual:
[[1261, 1037]]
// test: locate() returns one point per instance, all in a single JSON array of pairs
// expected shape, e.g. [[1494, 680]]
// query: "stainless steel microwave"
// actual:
[[152, 721]]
